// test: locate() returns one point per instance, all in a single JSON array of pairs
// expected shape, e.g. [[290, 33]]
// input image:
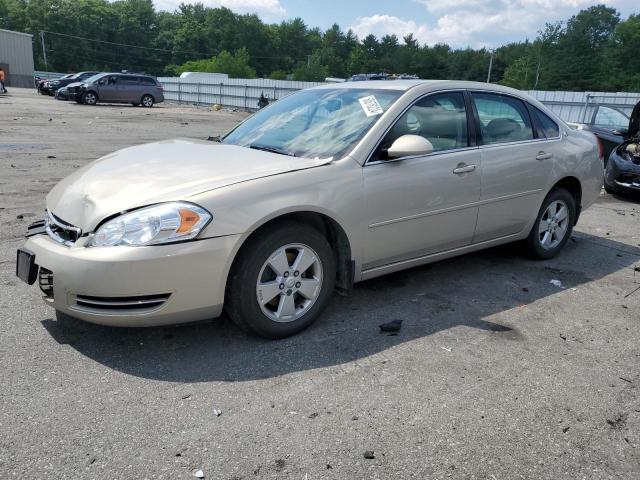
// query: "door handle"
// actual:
[[462, 168], [544, 156]]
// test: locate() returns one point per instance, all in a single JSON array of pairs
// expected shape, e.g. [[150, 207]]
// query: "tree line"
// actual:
[[593, 50]]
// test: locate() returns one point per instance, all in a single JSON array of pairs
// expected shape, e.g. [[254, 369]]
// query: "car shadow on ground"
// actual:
[[463, 291]]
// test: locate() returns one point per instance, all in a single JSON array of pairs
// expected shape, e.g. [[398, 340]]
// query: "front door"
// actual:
[[422, 205], [108, 89]]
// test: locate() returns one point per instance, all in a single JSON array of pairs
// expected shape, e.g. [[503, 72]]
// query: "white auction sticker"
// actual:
[[370, 106]]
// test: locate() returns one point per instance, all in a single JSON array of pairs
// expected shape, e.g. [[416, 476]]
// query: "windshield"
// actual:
[[94, 78], [610, 118], [322, 123]]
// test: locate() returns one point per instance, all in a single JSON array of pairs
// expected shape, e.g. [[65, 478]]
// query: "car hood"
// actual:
[[160, 172]]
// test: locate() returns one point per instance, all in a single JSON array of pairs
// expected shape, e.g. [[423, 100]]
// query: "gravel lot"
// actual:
[[496, 373]]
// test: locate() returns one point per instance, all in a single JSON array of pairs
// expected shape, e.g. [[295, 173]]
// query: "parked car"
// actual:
[[326, 187], [610, 125], [52, 86], [622, 173], [130, 88], [62, 94], [45, 87]]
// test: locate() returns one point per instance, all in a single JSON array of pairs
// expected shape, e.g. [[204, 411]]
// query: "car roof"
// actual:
[[404, 85]]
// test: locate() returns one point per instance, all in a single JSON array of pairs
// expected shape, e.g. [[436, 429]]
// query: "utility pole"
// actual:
[[490, 66], [44, 51]]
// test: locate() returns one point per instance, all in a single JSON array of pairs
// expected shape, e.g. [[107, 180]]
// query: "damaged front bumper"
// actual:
[[623, 168]]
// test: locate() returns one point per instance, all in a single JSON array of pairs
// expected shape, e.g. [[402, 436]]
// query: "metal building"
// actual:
[[16, 58]]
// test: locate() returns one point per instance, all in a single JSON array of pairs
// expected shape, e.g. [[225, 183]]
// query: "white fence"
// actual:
[[233, 92], [580, 106], [244, 94]]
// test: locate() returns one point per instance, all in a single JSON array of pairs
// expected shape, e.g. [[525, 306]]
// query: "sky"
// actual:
[[459, 23]]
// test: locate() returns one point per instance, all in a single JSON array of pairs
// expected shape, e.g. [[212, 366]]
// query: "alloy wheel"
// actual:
[[289, 282], [553, 225]]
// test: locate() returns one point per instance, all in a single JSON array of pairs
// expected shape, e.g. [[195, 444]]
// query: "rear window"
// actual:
[[503, 119], [547, 128], [147, 81]]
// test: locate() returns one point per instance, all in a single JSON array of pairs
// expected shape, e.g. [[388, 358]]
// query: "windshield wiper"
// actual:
[[272, 150]]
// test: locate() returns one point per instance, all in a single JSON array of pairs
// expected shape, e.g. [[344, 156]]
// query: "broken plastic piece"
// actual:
[[557, 283]]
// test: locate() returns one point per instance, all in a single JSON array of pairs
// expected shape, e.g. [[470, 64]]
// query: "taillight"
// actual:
[[600, 149]]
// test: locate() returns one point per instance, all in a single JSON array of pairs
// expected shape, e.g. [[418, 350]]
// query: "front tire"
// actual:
[[90, 98], [553, 225], [281, 281]]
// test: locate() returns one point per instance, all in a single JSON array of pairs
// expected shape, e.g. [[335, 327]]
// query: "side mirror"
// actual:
[[409, 146]]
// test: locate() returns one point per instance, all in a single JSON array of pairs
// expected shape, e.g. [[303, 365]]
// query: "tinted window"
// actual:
[[147, 81], [547, 128], [441, 119], [129, 80], [503, 119]]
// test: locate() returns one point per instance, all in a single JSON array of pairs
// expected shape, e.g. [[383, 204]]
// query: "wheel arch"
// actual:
[[574, 187], [328, 226]]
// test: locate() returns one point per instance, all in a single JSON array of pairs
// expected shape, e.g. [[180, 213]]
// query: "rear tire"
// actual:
[[147, 101], [281, 281], [553, 226]]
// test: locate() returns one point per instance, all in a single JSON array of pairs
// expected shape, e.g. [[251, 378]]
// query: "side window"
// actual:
[[503, 119], [112, 80], [547, 128], [440, 118], [147, 81], [129, 80]]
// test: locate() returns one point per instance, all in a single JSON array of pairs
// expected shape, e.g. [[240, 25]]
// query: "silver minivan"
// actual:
[[135, 89]]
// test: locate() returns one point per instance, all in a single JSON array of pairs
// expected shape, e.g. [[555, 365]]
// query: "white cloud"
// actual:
[[268, 9], [476, 23]]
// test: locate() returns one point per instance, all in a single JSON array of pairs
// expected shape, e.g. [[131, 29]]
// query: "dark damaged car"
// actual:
[[622, 172]]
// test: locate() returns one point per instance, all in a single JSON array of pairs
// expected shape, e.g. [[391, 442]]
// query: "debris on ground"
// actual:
[[446, 349], [20, 216], [51, 156], [198, 474], [313, 415], [525, 289], [369, 454], [393, 326], [217, 412], [557, 283], [565, 429], [564, 337], [617, 422], [186, 396], [280, 464]]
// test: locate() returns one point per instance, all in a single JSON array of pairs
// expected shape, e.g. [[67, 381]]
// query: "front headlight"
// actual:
[[163, 223]]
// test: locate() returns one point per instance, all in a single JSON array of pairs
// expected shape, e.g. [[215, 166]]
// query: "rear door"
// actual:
[[129, 89], [516, 165], [425, 204]]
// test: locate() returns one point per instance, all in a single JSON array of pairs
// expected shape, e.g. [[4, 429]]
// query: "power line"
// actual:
[[186, 52]]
